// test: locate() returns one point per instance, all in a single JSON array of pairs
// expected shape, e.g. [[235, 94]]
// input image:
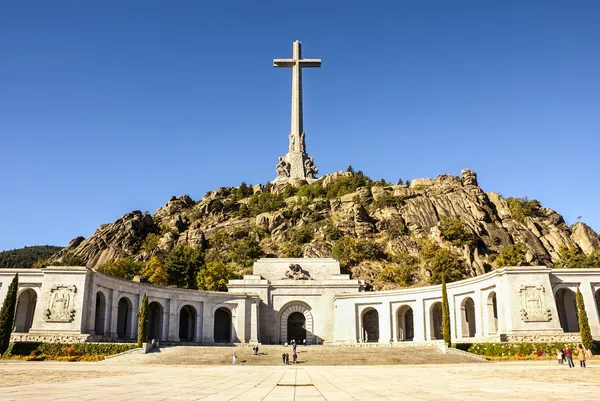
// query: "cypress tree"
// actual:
[[584, 324], [7, 314], [445, 312], [143, 321]]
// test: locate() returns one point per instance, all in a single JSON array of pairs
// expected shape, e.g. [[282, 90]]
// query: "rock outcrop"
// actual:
[[396, 217]]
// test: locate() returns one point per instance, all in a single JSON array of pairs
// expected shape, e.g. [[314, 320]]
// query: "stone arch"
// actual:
[[303, 309], [566, 305], [435, 321], [26, 302], [405, 323], [492, 313], [100, 316], [467, 317], [222, 332], [124, 318], [155, 321], [187, 323], [370, 325]]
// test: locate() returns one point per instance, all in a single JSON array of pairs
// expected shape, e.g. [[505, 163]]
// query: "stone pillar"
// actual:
[[173, 321], [589, 301], [199, 324], [165, 321], [254, 321], [107, 314], [385, 323], [480, 305], [135, 309], [114, 311], [207, 324], [419, 320]]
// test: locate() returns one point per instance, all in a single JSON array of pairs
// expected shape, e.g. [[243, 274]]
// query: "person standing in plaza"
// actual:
[[560, 357], [234, 359], [581, 355], [569, 355]]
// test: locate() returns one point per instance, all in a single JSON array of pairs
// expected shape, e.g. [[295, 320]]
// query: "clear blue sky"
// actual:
[[112, 106]]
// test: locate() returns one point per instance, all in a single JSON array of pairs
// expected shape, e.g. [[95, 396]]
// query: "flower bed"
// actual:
[[65, 352], [535, 350]]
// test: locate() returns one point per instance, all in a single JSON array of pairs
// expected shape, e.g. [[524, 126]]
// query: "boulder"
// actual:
[[585, 237]]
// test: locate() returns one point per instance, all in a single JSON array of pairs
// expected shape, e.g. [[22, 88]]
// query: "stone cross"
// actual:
[[296, 164]]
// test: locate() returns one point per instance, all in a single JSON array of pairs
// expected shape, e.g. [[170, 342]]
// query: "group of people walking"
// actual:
[[285, 357], [566, 355]]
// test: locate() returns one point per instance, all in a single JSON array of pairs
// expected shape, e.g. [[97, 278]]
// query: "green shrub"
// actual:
[[455, 232], [125, 268], [143, 321], [514, 349], [584, 324], [512, 255], [65, 349], [350, 251], [7, 314], [520, 208], [574, 258]]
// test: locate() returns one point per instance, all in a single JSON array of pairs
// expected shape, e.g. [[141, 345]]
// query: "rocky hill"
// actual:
[[390, 235]]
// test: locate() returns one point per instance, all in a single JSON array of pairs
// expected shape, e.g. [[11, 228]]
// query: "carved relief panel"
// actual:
[[61, 305], [533, 304]]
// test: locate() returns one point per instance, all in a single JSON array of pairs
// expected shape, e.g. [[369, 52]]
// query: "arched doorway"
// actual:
[[25, 310], [597, 296], [436, 321], [187, 323], [124, 316], [296, 327], [405, 324], [467, 309], [155, 320], [299, 328], [370, 322], [222, 332], [566, 304], [492, 313], [99, 321]]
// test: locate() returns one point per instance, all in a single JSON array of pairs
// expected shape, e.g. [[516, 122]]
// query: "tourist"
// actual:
[[256, 350], [295, 357], [304, 341], [569, 355], [234, 359], [294, 347], [283, 358], [581, 355], [253, 350], [560, 357], [287, 358]]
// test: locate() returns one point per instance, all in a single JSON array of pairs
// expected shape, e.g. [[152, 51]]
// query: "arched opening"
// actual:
[[468, 317], [222, 332], [124, 316], [155, 320], [492, 313], [436, 321], [296, 327], [289, 319], [370, 326], [567, 310], [187, 323], [99, 321], [405, 324], [25, 310]]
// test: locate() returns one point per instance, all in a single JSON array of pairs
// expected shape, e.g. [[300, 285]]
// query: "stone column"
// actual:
[[385, 324], [135, 308], [173, 321], [199, 324], [165, 321], [114, 311], [589, 301], [254, 321], [207, 324], [480, 305], [419, 320]]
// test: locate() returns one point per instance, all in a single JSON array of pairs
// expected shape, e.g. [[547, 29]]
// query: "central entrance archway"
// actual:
[[296, 323]]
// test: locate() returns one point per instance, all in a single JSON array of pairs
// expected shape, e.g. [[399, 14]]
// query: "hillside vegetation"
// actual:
[[27, 256], [391, 235]]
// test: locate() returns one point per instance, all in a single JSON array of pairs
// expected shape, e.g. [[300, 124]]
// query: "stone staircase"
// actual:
[[307, 355]]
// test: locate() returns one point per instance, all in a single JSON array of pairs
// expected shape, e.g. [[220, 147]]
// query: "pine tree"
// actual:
[[7, 314], [143, 321], [584, 324], [445, 313]]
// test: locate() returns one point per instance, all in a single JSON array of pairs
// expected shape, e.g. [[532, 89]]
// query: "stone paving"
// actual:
[[539, 380]]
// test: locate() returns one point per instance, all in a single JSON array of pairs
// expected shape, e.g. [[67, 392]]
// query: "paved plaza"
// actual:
[[539, 380]]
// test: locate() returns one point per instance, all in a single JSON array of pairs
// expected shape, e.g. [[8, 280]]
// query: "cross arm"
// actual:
[[283, 62], [310, 62]]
